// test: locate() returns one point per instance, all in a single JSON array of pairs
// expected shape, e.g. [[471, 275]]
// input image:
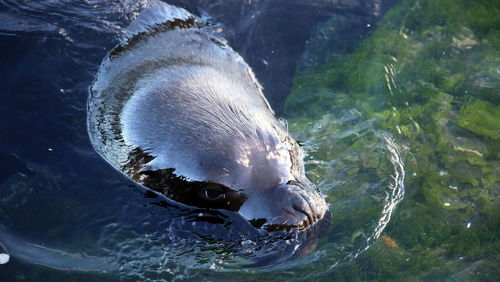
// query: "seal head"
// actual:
[[177, 110]]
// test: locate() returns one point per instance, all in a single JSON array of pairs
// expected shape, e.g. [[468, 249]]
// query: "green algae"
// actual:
[[482, 118], [437, 251], [429, 74]]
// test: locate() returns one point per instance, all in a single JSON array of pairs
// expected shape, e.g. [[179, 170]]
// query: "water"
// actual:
[[65, 213], [429, 75]]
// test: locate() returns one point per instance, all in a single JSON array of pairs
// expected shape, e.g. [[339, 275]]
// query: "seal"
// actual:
[[178, 111]]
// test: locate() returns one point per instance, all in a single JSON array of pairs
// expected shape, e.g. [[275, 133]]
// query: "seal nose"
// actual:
[[285, 207], [303, 207]]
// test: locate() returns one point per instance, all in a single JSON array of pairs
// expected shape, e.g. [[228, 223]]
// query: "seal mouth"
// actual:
[[285, 207], [311, 217], [305, 224], [309, 220]]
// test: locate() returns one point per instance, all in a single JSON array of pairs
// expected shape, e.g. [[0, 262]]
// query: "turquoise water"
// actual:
[[397, 113]]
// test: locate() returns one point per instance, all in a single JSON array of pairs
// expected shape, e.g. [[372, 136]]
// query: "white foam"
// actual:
[[4, 258]]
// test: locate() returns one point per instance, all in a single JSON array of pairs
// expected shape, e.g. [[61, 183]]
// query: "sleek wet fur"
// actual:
[[180, 112]]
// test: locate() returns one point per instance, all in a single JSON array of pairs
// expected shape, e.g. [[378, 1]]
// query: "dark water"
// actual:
[[66, 214]]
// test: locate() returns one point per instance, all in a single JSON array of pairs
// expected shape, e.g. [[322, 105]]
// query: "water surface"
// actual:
[[359, 111]]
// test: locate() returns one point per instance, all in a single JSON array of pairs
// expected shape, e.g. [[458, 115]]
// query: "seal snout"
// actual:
[[305, 207], [285, 207]]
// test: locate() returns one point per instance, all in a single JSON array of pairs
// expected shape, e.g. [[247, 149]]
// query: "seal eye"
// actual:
[[213, 194]]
